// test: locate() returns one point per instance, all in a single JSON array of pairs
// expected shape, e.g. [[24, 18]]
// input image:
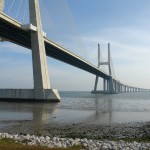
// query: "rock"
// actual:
[[15, 137], [42, 139], [59, 144], [54, 138], [67, 142], [47, 138], [85, 144], [28, 137]]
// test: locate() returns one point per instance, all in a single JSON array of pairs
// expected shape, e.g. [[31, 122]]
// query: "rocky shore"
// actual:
[[129, 136], [80, 130], [68, 142]]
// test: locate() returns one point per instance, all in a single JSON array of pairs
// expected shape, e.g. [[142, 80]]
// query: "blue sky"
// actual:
[[123, 23]]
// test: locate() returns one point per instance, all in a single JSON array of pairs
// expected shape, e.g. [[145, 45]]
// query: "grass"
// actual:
[[9, 144]]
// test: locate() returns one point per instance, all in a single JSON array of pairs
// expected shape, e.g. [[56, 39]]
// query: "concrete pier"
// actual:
[[51, 95], [42, 90], [104, 85]]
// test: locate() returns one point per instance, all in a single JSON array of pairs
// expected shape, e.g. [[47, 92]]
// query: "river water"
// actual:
[[81, 107]]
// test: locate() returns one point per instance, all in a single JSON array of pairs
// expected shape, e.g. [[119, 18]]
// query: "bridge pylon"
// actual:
[[42, 90], [108, 84], [40, 69]]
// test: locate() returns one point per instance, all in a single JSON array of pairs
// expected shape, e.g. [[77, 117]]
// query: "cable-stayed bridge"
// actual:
[[31, 36]]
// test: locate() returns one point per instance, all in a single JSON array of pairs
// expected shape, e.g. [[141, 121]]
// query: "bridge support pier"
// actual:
[[40, 69], [115, 86], [120, 88], [107, 85], [104, 85], [111, 86], [42, 90]]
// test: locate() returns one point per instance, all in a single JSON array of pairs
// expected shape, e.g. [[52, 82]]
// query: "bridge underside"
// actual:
[[13, 32]]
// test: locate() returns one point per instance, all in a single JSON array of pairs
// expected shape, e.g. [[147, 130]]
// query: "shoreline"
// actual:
[[80, 143], [91, 136], [117, 131]]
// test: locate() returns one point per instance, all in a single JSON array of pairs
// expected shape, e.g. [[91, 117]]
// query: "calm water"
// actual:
[[82, 107]]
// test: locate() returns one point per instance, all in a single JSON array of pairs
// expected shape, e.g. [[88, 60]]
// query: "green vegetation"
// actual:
[[9, 144]]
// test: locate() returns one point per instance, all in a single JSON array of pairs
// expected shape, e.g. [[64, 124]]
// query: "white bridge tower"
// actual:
[[42, 90], [108, 86]]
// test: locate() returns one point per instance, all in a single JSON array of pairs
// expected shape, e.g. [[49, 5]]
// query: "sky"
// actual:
[[125, 24]]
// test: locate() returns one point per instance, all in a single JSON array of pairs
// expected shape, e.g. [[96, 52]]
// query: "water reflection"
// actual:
[[108, 109], [80, 108], [101, 116], [43, 112], [37, 112]]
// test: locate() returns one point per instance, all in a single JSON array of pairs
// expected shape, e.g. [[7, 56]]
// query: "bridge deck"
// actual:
[[12, 30]]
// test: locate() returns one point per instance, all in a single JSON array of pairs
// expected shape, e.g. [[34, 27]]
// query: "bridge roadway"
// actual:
[[12, 31]]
